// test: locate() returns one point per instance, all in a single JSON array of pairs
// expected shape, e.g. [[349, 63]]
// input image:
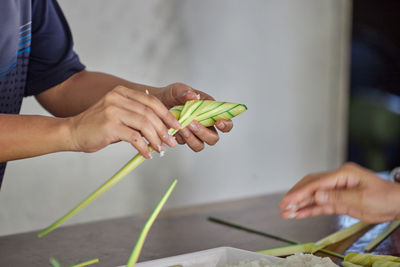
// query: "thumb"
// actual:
[[340, 199], [181, 94]]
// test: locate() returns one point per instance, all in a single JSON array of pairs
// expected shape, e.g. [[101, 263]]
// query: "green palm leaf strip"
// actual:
[[314, 247], [86, 263], [369, 259], [206, 112], [342, 234], [298, 245], [386, 264], [349, 264], [142, 237], [55, 263], [393, 226]]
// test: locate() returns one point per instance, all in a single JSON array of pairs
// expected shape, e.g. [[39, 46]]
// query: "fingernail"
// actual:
[[187, 92], [170, 132], [177, 126], [172, 140], [185, 132], [150, 155], [198, 96], [147, 92], [291, 207], [292, 215], [221, 125], [193, 126], [162, 149]]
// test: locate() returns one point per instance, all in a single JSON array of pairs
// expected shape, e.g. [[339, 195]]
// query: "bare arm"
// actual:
[[97, 109], [24, 136], [82, 90]]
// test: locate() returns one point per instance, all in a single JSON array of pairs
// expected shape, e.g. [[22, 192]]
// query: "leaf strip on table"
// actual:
[[254, 231], [86, 263], [368, 259], [342, 234], [142, 237], [393, 226]]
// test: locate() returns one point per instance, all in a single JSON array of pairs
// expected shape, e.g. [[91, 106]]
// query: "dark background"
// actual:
[[374, 111]]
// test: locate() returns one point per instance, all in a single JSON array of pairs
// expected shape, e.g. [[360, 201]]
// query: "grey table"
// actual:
[[175, 232]]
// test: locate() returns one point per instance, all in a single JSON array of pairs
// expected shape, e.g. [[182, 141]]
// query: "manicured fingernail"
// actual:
[[292, 215], [185, 132], [198, 96], [177, 126], [194, 127], [147, 92], [172, 141], [291, 207], [150, 155], [162, 150]]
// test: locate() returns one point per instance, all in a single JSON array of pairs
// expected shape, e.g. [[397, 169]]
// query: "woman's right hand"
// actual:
[[351, 190], [126, 115]]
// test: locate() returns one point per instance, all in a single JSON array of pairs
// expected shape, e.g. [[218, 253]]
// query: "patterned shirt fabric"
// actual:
[[36, 52]]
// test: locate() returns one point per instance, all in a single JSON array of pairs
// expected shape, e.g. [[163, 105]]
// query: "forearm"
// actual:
[[24, 136], [82, 90]]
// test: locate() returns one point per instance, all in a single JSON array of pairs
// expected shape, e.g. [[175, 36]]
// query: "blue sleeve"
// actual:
[[52, 58]]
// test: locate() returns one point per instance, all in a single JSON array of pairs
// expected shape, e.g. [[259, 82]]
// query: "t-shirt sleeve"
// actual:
[[52, 58]]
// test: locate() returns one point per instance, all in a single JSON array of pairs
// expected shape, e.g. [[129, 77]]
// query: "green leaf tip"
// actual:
[[206, 112], [54, 262], [146, 228], [127, 168]]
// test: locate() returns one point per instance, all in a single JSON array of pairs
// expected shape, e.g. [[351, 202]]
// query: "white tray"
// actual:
[[208, 258]]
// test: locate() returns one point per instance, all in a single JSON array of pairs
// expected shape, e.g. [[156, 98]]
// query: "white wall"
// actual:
[[286, 60]]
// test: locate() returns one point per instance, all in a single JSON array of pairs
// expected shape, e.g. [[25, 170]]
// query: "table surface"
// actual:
[[182, 231]]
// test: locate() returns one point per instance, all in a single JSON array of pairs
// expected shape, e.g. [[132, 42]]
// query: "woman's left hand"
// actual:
[[195, 135]]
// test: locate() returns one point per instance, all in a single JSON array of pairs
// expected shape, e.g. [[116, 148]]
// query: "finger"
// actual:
[[207, 135], [142, 124], [315, 211], [180, 139], [203, 95], [306, 190], [192, 141], [153, 102], [224, 125], [146, 111], [135, 139], [341, 200]]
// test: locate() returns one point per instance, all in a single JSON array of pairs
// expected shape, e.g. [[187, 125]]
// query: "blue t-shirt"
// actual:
[[35, 52]]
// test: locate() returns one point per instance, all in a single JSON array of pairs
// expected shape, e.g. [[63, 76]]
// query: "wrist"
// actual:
[[66, 133], [395, 199]]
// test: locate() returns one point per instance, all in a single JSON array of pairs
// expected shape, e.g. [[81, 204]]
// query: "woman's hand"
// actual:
[[127, 115], [351, 190], [195, 135]]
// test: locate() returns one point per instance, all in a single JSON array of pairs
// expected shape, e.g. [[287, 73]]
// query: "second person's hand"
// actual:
[[351, 190], [126, 115]]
